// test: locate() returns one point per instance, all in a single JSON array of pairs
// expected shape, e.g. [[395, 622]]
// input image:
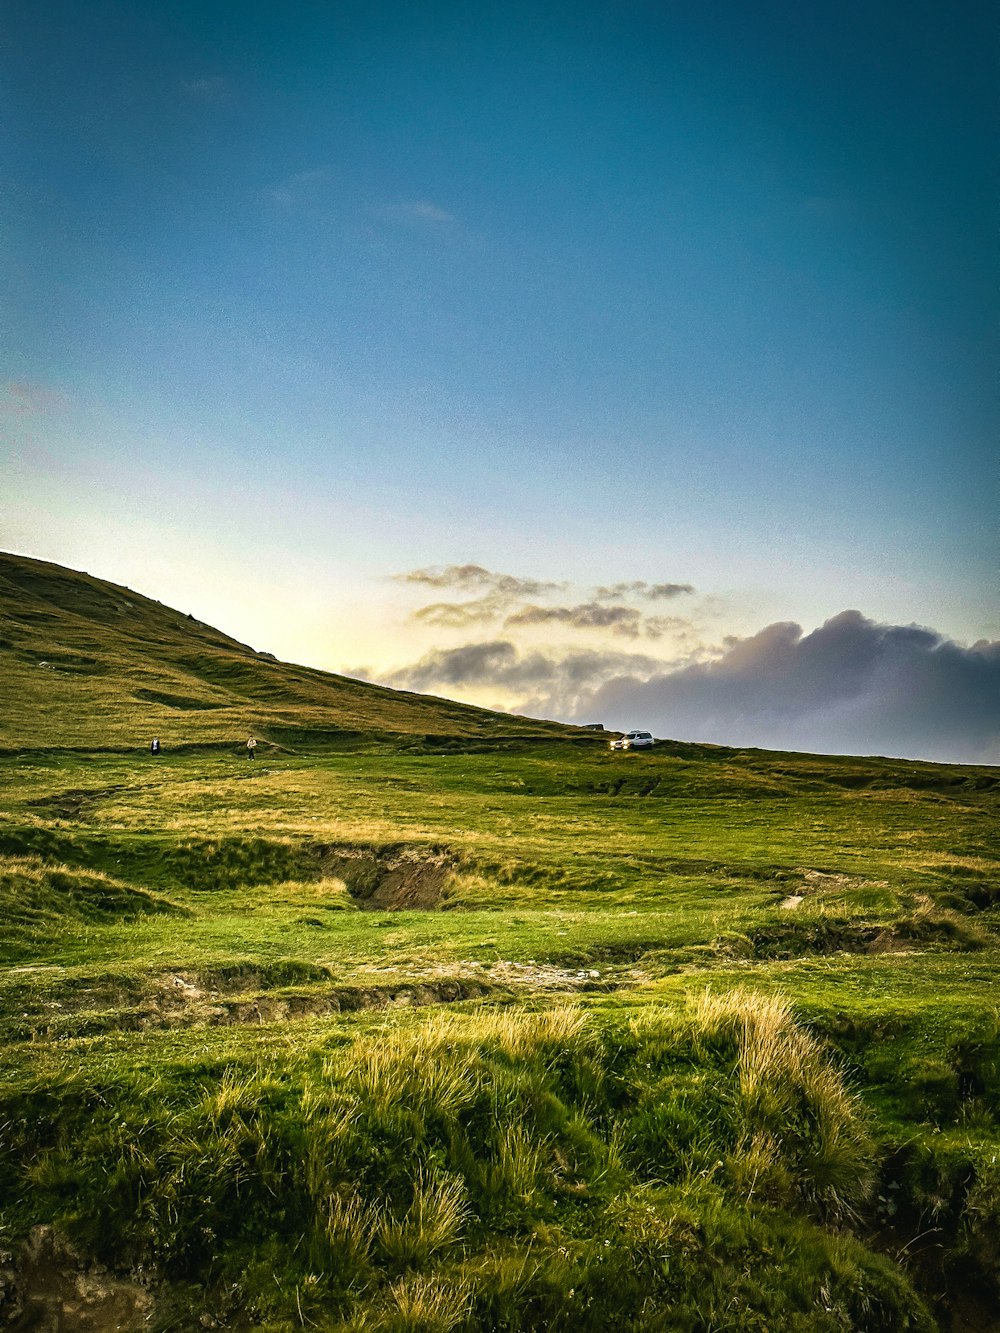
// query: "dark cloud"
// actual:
[[448, 576], [472, 664], [654, 627], [589, 615], [850, 687], [473, 578], [459, 615], [626, 621], [536, 682], [658, 590], [617, 592], [491, 596]]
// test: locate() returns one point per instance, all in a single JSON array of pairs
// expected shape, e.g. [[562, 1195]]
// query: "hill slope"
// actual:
[[87, 664]]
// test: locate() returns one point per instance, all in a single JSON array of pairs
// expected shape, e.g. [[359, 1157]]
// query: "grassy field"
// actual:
[[472, 1024]]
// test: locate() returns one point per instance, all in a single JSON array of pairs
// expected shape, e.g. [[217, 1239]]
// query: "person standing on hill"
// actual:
[[154, 747], [251, 746]]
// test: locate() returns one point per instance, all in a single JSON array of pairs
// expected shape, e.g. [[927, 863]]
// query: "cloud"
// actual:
[[617, 592], [459, 615], [654, 627], [660, 590], [624, 620], [850, 687], [501, 597], [472, 664], [472, 578], [448, 576], [542, 683], [417, 212]]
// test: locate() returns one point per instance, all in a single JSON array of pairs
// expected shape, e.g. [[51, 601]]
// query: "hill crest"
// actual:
[[90, 664]]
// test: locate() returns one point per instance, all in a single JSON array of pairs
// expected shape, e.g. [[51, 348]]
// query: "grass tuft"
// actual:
[[433, 1222]]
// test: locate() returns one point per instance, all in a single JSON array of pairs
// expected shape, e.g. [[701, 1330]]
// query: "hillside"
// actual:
[[86, 664], [437, 1021]]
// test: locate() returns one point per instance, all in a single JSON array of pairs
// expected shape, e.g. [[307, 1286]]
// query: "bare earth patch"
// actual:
[[390, 880], [188, 999], [46, 1287]]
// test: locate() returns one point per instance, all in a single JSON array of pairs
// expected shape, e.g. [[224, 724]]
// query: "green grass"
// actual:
[[693, 1039], [627, 1162]]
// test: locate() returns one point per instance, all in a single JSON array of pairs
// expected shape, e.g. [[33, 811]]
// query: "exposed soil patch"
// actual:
[[48, 1289], [350, 999], [392, 879], [823, 881], [511, 978], [181, 1003], [833, 882], [188, 999], [546, 977]]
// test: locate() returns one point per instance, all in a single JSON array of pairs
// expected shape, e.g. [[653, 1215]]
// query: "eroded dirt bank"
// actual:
[[46, 1287], [390, 879], [185, 999]]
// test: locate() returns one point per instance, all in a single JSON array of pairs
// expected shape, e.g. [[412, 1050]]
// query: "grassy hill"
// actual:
[[466, 1034], [86, 664]]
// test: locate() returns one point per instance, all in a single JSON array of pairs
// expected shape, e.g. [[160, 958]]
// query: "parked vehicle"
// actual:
[[633, 740]]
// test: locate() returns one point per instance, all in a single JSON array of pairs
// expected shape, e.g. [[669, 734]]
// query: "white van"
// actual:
[[633, 740]]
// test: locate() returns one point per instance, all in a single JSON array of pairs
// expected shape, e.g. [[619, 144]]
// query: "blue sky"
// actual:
[[299, 298]]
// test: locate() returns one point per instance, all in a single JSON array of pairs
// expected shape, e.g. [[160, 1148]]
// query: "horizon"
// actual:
[[635, 363]]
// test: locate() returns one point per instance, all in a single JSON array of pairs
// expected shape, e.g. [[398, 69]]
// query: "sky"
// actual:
[[620, 362]]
